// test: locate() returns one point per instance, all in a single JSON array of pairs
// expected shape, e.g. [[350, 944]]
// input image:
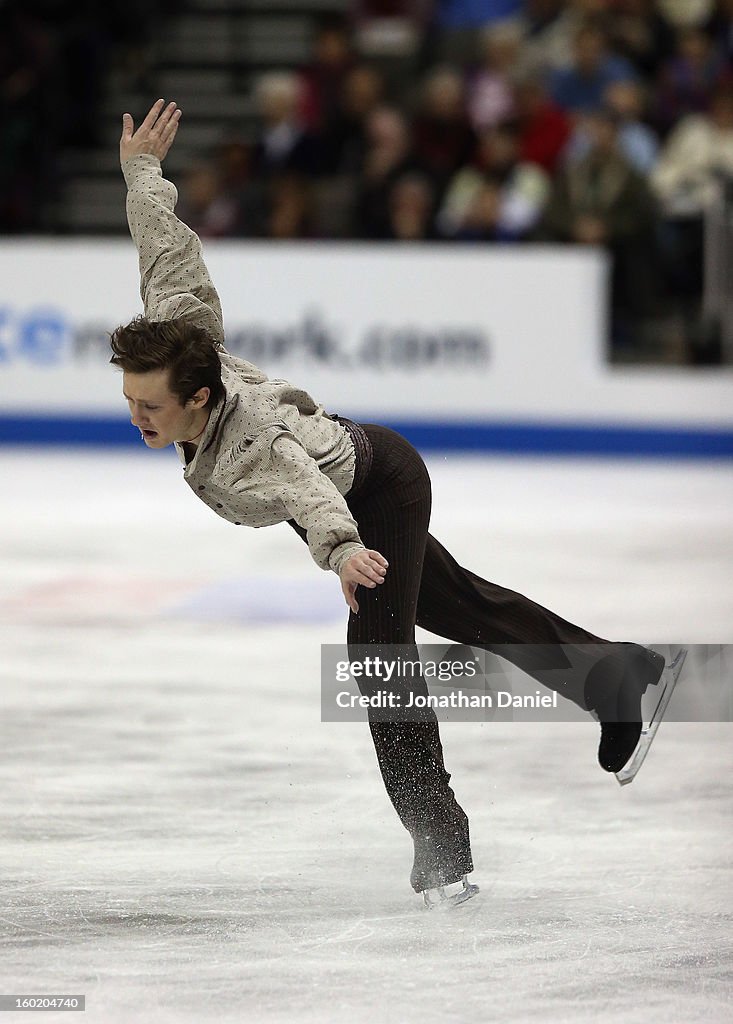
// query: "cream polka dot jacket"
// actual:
[[269, 452]]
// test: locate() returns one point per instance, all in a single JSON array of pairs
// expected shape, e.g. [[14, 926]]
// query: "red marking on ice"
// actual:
[[82, 599]]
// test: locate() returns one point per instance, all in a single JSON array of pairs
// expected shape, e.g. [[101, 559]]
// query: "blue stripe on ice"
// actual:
[[516, 438], [264, 599]]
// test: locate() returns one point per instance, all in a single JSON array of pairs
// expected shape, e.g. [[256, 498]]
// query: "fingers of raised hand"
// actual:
[[168, 133], [171, 127], [152, 115], [166, 120], [156, 133]]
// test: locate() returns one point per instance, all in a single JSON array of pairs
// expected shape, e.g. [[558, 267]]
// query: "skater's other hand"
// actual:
[[364, 569], [154, 136]]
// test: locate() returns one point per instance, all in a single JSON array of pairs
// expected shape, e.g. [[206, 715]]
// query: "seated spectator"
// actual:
[[388, 157], [205, 206], [581, 86], [521, 189], [482, 221], [490, 96], [687, 79], [443, 137], [284, 145], [636, 140], [234, 162], [601, 197], [411, 206], [322, 81], [603, 200], [698, 152], [639, 33], [344, 136], [544, 128]]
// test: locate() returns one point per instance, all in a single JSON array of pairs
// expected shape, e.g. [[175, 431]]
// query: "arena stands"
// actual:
[[466, 122]]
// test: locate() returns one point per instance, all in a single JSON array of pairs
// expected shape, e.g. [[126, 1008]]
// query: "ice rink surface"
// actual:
[[182, 839]]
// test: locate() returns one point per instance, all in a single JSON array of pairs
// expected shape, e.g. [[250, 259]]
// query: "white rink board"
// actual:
[[432, 333]]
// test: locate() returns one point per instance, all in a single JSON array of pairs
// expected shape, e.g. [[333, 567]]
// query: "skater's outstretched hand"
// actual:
[[154, 136], [365, 569]]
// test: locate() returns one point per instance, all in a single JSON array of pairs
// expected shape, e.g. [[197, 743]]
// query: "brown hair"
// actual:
[[186, 351]]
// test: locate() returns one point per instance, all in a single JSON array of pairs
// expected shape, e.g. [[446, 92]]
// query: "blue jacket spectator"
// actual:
[[582, 86]]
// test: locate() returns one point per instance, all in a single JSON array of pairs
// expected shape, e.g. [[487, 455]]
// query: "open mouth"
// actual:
[[150, 433]]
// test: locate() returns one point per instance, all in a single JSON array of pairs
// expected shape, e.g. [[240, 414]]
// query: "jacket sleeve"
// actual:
[[315, 503], [174, 281], [271, 478]]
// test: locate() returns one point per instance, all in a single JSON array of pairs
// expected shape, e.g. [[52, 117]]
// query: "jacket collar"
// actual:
[[219, 414]]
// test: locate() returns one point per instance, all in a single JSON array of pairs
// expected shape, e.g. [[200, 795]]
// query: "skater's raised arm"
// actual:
[[174, 281]]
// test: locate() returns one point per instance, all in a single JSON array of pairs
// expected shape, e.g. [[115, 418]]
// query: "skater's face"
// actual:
[[157, 412]]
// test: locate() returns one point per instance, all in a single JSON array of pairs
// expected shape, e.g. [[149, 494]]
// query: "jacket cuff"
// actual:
[[342, 553], [139, 166]]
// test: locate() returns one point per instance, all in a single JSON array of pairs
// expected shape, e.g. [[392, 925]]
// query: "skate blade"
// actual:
[[669, 679], [444, 902]]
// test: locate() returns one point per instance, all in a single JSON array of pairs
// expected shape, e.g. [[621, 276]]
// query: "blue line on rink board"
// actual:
[[569, 439], [581, 439]]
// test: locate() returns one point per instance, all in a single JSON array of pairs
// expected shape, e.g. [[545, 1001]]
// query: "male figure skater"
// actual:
[[260, 452]]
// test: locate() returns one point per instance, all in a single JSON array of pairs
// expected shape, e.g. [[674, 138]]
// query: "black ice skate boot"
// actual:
[[442, 860], [613, 690]]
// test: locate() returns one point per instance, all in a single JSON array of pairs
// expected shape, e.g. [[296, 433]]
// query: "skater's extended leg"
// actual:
[[596, 674], [456, 603]]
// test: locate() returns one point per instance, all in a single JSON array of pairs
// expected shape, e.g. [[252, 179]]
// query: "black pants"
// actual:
[[425, 586]]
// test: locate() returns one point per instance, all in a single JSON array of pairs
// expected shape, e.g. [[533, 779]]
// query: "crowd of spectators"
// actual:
[[603, 122]]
